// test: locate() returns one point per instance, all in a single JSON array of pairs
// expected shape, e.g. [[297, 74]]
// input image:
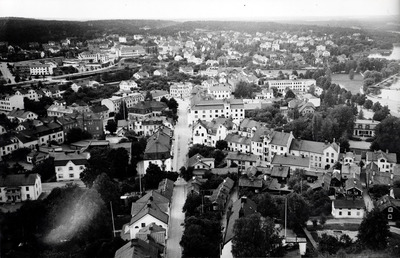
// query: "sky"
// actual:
[[196, 9]]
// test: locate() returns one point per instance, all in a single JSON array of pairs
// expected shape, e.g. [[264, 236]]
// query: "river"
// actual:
[[395, 55]]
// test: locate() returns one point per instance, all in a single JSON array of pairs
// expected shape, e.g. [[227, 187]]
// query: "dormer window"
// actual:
[[382, 160]]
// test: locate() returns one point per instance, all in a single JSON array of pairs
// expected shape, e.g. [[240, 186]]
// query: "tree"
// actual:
[[387, 135], [298, 211], [374, 230], [255, 238], [45, 169], [368, 104], [187, 174], [77, 134], [290, 95], [328, 244], [351, 74], [111, 126], [221, 144], [377, 106], [193, 201], [379, 190], [266, 205], [148, 96], [201, 238], [360, 114], [107, 188], [381, 114], [153, 176], [173, 105]]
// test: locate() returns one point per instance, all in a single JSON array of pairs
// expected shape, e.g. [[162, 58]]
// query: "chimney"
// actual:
[[387, 151]]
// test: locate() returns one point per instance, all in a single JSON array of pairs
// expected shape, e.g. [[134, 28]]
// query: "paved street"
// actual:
[[182, 136], [177, 217], [6, 73]]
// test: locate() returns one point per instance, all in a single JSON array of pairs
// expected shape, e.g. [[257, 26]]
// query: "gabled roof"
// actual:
[[198, 158], [290, 160], [375, 156], [280, 171], [242, 156], [252, 182], [158, 146], [18, 113], [242, 207], [151, 208], [353, 183], [17, 180], [349, 204], [137, 248], [235, 138], [387, 201], [311, 146], [62, 159], [279, 138], [166, 188]]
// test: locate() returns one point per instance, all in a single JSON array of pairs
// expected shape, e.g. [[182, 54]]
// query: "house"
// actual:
[[389, 206], [208, 133], [49, 130], [250, 182], [242, 160], [239, 143], [209, 109], [59, 110], [20, 187], [151, 208], [243, 207], [128, 85], [27, 141], [28, 93], [180, 90], [146, 109], [11, 102], [158, 151], [114, 103], [200, 164], [265, 94], [166, 188], [306, 108], [153, 233], [160, 72], [281, 173], [8, 144], [21, 115], [384, 160], [186, 70], [364, 128], [137, 248], [322, 155], [75, 87], [220, 196], [221, 91], [69, 166], [2, 130], [141, 75], [159, 94], [130, 51], [291, 161], [348, 209], [353, 187]]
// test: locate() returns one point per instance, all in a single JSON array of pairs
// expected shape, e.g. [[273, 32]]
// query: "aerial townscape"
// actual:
[[135, 138]]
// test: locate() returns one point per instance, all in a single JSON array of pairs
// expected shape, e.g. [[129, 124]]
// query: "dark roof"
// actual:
[[291, 160], [252, 182], [375, 156], [242, 156], [99, 109], [18, 180], [158, 146], [24, 138], [349, 204], [311, 146], [62, 159], [151, 208], [145, 107], [137, 248], [280, 171], [242, 207], [166, 188], [198, 158]]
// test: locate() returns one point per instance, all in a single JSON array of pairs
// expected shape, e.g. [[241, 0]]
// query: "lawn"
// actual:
[[351, 85]]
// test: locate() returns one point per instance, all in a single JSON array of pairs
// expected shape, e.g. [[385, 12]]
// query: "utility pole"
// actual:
[[112, 218]]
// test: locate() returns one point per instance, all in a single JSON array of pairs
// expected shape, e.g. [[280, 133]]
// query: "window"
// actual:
[[358, 213], [71, 175], [340, 213], [27, 188], [327, 154], [81, 167], [390, 216], [70, 168], [143, 225], [28, 196], [60, 176], [349, 213], [327, 160], [390, 209], [331, 155]]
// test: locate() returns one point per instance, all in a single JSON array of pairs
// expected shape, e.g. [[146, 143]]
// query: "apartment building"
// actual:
[[365, 128], [113, 104], [69, 166], [180, 90], [210, 109], [20, 187], [221, 91], [10, 102], [296, 85], [208, 133]]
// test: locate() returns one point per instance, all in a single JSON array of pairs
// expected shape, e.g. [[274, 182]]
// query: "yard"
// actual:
[[351, 85]]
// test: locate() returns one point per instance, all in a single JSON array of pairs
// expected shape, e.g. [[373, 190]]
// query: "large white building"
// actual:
[[209, 109], [10, 102], [37, 68], [180, 90], [221, 91], [128, 85], [93, 57], [20, 187], [296, 85], [208, 133]]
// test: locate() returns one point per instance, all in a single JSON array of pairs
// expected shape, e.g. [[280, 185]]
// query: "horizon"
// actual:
[[206, 10]]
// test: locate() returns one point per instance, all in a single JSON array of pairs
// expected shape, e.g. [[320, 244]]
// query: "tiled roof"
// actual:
[[235, 138], [137, 249], [61, 158], [18, 180], [158, 146], [252, 182], [280, 171], [375, 156], [290, 160], [279, 138], [166, 188], [150, 208], [349, 204], [242, 156]]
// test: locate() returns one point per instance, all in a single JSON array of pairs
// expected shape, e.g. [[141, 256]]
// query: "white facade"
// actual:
[[8, 148], [54, 136], [69, 172], [180, 90], [128, 85], [9, 103], [113, 104], [220, 91], [297, 85], [30, 94], [143, 222], [167, 163], [42, 69], [18, 193], [347, 212]]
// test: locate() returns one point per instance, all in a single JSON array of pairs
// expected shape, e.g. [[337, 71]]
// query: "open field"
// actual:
[[351, 85]]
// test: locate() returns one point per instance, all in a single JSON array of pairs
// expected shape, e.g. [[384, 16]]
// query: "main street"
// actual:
[[182, 135]]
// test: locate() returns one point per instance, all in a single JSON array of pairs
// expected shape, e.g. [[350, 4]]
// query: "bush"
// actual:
[[370, 139], [353, 138]]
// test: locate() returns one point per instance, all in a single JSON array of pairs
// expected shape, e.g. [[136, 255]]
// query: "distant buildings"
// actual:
[[296, 85]]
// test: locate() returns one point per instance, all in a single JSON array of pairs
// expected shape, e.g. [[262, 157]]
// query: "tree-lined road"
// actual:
[[182, 135]]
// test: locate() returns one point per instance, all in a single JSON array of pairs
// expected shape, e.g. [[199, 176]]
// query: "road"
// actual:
[[6, 73], [367, 199], [182, 135], [177, 217]]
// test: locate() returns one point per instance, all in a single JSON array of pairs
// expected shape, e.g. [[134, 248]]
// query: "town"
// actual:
[[222, 140]]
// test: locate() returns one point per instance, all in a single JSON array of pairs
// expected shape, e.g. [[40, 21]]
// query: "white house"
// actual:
[[208, 133], [113, 104], [69, 166], [297, 85], [384, 160], [180, 90], [128, 85], [10, 102], [20, 187], [7, 145], [348, 209], [221, 91], [21, 115], [158, 151]]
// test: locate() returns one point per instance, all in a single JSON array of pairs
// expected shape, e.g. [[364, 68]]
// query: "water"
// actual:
[[394, 56]]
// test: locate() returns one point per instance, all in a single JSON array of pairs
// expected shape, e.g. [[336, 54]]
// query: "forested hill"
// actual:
[[21, 30]]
